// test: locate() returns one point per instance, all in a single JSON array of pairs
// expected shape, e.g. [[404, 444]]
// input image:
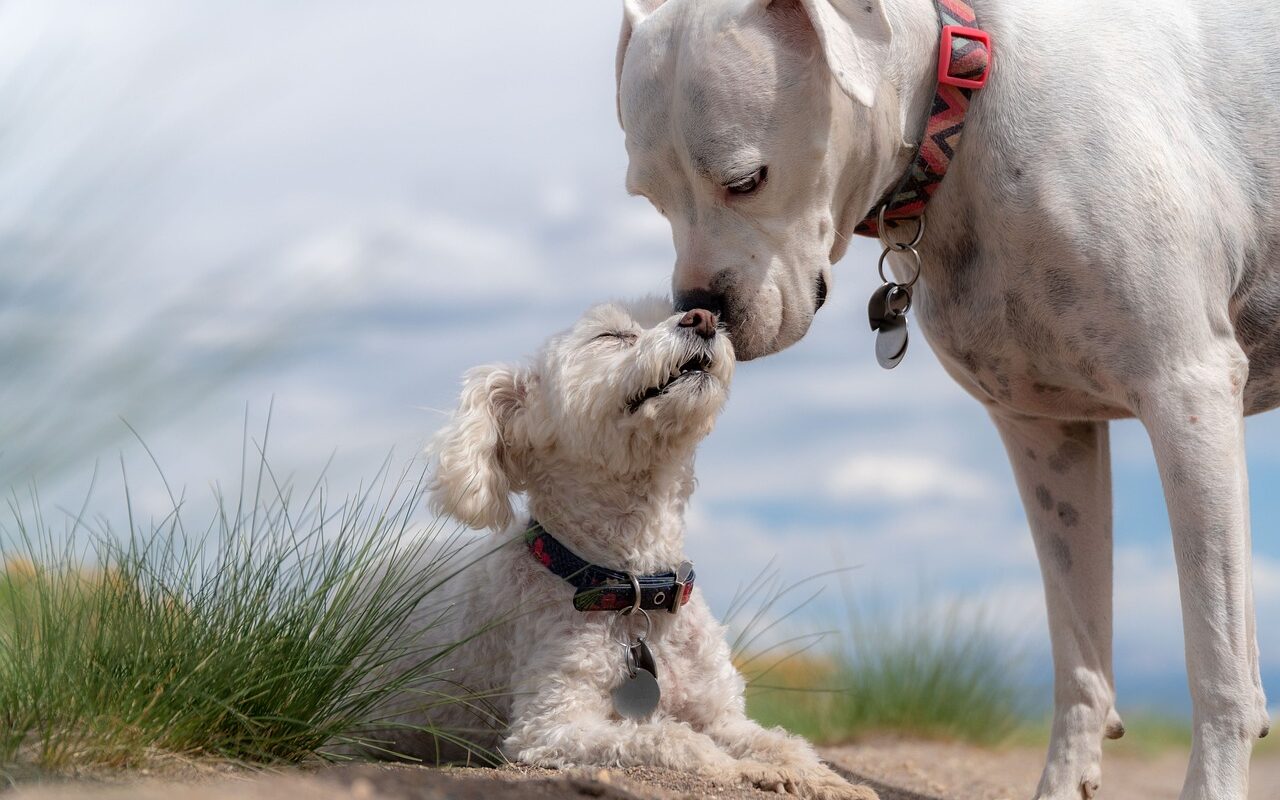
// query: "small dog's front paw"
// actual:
[[810, 784], [827, 785]]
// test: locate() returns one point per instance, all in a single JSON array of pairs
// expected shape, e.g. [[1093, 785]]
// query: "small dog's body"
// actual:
[[599, 434], [1104, 246]]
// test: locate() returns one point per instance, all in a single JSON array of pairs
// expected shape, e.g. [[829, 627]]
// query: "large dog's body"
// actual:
[[1106, 245]]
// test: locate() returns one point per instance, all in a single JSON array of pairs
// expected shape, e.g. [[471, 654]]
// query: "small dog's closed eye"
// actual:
[[598, 433]]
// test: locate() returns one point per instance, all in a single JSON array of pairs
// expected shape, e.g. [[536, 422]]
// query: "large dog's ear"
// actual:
[[477, 458], [855, 37], [633, 13]]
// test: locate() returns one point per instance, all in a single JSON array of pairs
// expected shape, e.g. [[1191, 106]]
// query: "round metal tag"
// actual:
[[636, 698], [891, 344]]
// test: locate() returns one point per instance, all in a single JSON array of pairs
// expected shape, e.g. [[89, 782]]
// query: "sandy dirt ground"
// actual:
[[898, 770]]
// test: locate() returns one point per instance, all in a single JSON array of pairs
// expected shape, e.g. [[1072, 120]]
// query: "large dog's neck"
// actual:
[[632, 522], [904, 101], [911, 73]]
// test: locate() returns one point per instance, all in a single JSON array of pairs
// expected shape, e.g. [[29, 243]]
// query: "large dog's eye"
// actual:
[[748, 183]]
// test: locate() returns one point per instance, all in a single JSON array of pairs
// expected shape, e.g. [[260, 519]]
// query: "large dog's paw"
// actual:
[[810, 783], [1072, 775]]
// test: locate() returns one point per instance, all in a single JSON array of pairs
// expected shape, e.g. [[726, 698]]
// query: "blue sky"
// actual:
[[343, 207]]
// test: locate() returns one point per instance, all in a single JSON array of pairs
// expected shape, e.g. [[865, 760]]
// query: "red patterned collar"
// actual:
[[964, 62]]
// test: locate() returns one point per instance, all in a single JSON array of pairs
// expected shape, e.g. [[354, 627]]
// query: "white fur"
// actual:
[[611, 484], [1105, 246]]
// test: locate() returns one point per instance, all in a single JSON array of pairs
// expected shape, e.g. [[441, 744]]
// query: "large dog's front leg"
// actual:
[[1195, 419], [1064, 476]]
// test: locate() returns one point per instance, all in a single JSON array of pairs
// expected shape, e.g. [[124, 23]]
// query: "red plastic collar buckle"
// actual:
[[951, 60]]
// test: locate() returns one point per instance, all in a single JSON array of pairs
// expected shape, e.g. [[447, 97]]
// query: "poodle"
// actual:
[[596, 648]]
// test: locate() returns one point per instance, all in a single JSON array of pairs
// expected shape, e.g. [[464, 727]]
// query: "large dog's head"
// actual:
[[754, 127], [628, 389]]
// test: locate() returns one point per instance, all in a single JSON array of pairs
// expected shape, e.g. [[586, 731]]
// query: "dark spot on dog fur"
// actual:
[[970, 361], [1063, 294], [1082, 432], [1068, 515], [1069, 454], [869, 9], [1034, 336], [1031, 454], [961, 266], [1044, 497], [1060, 550], [1088, 370]]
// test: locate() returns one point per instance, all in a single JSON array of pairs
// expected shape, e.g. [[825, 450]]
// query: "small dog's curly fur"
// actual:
[[599, 434]]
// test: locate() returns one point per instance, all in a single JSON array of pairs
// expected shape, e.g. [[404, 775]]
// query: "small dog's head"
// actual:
[[628, 388]]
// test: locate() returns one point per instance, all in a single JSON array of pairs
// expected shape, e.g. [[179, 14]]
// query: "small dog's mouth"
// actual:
[[695, 367]]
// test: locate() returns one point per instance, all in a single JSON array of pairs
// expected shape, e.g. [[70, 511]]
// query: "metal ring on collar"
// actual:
[[915, 277], [882, 230], [648, 628], [635, 587]]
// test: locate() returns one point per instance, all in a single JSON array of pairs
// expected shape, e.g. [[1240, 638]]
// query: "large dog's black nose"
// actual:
[[700, 298], [701, 322]]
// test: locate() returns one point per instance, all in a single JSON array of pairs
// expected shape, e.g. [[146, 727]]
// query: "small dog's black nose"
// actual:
[[702, 321]]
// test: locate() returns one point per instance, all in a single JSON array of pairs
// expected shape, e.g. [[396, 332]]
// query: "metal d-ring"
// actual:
[[635, 588], [882, 230], [648, 629], [915, 277]]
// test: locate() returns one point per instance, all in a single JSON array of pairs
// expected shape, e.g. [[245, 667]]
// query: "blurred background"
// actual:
[[339, 207]]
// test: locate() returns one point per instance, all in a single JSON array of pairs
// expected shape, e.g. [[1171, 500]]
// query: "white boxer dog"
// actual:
[[1105, 245]]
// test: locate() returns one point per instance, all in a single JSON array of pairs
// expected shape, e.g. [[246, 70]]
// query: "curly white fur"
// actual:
[[611, 483]]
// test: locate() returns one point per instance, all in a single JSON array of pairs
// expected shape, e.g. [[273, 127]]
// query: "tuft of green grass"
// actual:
[[923, 672], [254, 640]]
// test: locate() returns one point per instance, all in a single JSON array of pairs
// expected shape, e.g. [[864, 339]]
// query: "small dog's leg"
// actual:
[[746, 739], [562, 724], [562, 740], [1064, 477], [1195, 419], [720, 712]]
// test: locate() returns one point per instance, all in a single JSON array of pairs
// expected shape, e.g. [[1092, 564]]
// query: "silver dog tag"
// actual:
[[891, 343], [887, 313], [637, 697]]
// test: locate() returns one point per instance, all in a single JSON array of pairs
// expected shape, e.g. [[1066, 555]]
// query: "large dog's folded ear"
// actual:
[[633, 13], [855, 37], [477, 460]]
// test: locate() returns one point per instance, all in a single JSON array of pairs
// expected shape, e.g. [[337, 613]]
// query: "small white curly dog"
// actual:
[[599, 434]]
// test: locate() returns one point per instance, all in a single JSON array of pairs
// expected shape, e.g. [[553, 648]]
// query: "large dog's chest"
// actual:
[[1081, 247], [1059, 338]]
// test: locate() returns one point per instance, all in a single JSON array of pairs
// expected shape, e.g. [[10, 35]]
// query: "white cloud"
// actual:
[[894, 477]]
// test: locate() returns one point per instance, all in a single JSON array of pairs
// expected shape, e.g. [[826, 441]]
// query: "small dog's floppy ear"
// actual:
[[855, 37], [477, 460], [633, 13]]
